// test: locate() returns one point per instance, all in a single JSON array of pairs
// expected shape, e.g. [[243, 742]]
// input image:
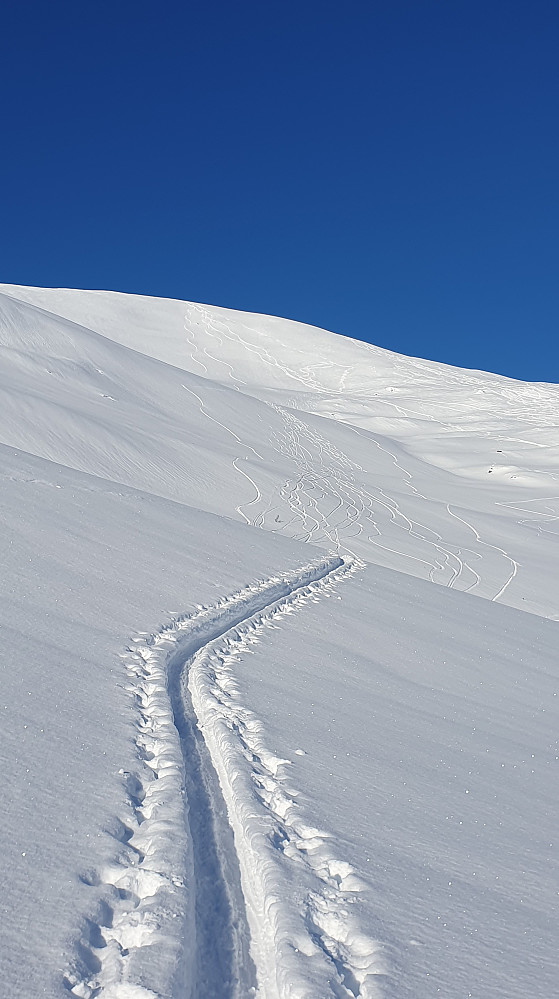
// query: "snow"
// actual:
[[249, 745]]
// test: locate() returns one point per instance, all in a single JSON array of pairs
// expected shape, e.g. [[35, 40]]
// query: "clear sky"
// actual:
[[388, 170]]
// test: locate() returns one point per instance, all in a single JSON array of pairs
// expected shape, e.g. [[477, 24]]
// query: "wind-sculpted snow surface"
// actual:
[[198, 911]]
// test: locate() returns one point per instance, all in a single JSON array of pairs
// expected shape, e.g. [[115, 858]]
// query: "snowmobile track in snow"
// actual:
[[199, 900]]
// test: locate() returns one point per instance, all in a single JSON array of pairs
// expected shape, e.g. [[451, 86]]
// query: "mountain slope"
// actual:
[[249, 747], [434, 471]]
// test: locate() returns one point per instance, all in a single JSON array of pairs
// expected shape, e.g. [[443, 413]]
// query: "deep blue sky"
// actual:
[[389, 170]]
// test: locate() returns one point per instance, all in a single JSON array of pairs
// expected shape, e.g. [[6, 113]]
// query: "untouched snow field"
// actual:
[[279, 675]]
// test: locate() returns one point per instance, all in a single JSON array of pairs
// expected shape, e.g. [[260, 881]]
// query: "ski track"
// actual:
[[213, 829], [303, 375], [222, 886], [370, 515], [335, 472]]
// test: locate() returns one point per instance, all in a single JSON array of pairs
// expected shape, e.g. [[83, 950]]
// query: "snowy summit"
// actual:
[[279, 676]]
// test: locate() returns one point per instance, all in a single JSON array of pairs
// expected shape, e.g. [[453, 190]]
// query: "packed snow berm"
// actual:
[[279, 675]]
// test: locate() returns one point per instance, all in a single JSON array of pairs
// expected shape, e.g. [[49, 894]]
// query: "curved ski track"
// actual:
[[222, 888], [325, 503]]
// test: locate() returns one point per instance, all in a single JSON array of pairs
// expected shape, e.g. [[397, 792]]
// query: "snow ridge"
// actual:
[[222, 885]]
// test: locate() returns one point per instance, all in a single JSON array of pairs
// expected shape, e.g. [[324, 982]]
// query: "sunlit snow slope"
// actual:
[[249, 747]]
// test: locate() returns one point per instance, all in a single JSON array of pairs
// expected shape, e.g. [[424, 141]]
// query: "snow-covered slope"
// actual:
[[249, 748]]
